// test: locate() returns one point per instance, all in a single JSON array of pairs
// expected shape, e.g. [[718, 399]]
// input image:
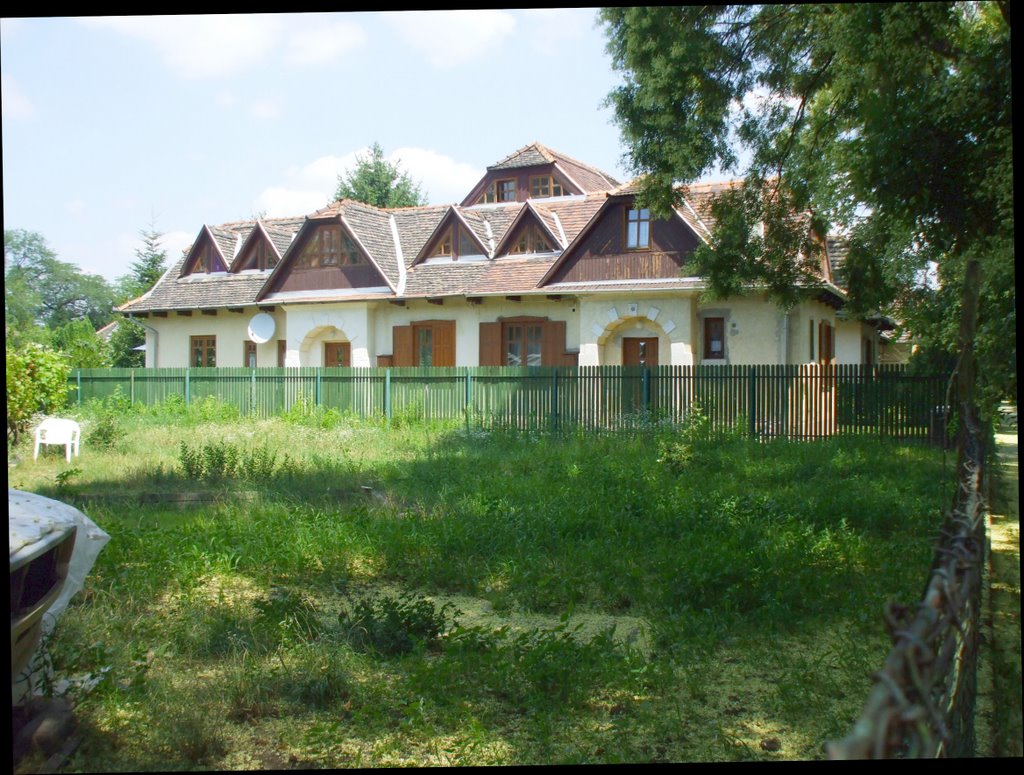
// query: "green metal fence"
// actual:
[[798, 401]]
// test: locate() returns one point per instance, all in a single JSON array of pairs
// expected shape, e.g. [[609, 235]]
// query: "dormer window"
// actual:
[[638, 229], [207, 260], [261, 257], [443, 246], [544, 186], [328, 246], [531, 240], [499, 191], [467, 245]]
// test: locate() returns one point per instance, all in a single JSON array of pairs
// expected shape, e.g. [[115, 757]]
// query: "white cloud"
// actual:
[[449, 39], [264, 109], [324, 43], [442, 178], [173, 242], [200, 46], [311, 186], [75, 207], [278, 202], [15, 104], [553, 26]]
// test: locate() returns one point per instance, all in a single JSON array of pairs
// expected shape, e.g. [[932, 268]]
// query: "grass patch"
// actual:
[[426, 595]]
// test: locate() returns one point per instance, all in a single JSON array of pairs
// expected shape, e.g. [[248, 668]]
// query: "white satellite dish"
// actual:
[[261, 327]]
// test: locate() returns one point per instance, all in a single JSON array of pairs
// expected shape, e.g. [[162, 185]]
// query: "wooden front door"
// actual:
[[639, 351], [337, 354]]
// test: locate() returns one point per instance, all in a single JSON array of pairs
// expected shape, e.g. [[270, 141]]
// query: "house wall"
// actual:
[[757, 331], [311, 325], [801, 317], [170, 346], [849, 340], [604, 320], [468, 318]]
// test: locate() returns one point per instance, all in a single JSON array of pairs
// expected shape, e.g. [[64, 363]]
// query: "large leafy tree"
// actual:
[[378, 182], [42, 292], [891, 122]]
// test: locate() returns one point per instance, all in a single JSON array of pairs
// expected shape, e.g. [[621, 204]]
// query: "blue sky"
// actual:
[[111, 124]]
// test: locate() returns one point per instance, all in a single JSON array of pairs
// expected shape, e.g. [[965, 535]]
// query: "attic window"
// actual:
[[467, 245], [443, 246], [530, 240], [544, 186], [207, 260], [328, 246], [499, 191], [260, 257], [638, 229]]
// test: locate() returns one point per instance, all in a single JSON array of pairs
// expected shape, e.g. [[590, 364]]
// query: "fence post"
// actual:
[[554, 400], [645, 383], [387, 395], [79, 375], [131, 386], [469, 395], [187, 388], [316, 388], [752, 403], [252, 393]]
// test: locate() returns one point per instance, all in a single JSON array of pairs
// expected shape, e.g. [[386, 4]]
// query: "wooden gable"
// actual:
[[527, 235], [258, 252], [325, 257], [624, 242], [205, 256], [517, 184], [452, 238]]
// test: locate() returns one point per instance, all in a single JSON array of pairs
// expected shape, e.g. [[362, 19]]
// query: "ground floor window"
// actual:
[[282, 351], [522, 344], [714, 338], [249, 358], [203, 351]]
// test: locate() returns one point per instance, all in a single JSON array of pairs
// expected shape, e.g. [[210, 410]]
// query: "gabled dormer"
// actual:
[[212, 252], [325, 258], [531, 234], [455, 239], [625, 242], [536, 172], [260, 251]]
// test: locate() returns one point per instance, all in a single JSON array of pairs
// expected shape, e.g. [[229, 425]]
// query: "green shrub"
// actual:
[[391, 625], [37, 382]]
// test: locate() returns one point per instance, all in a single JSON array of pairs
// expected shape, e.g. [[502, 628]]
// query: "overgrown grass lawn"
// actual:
[[351, 594]]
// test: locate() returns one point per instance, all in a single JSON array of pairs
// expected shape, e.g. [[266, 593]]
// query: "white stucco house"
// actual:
[[547, 261]]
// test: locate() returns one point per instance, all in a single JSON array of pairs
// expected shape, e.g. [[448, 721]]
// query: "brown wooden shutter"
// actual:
[[444, 343], [490, 344], [552, 348], [401, 341]]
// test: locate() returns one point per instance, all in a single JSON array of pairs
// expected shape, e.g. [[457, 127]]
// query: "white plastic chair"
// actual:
[[55, 430]]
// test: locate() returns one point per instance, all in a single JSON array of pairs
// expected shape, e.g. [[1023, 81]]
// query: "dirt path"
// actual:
[[999, 727]]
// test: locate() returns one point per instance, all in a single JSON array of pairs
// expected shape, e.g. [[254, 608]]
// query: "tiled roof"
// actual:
[[377, 229], [415, 225], [453, 278], [510, 275], [838, 248], [533, 155], [573, 214], [199, 291]]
